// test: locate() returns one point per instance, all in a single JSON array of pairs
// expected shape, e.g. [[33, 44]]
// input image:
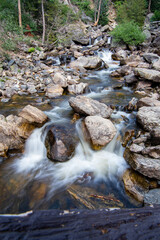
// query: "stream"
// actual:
[[90, 179]]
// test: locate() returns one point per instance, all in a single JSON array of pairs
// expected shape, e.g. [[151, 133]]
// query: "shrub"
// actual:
[[128, 33], [131, 10], [156, 16], [30, 50]]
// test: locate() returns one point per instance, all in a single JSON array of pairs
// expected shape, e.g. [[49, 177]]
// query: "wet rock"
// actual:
[[61, 142], [148, 102], [150, 57], [59, 79], [148, 74], [101, 131], [54, 90], [149, 117], [155, 136], [127, 137], [152, 197], [144, 85], [87, 106], [121, 72], [77, 88], [87, 62], [119, 55], [146, 166], [135, 184], [33, 115]]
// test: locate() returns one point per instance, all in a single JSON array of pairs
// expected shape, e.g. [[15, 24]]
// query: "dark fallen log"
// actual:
[[138, 223]]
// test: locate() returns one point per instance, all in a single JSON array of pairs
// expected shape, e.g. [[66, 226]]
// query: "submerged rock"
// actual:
[[87, 106], [101, 131]]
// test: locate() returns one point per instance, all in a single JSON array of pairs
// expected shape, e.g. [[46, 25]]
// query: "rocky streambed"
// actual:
[[96, 144]]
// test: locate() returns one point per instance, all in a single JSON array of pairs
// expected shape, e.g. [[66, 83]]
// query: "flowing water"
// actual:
[[90, 179]]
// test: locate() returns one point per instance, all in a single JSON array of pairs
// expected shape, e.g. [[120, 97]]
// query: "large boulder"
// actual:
[[33, 115], [149, 117], [146, 166], [148, 74], [54, 90], [150, 57], [101, 130], [87, 62], [87, 106], [61, 142]]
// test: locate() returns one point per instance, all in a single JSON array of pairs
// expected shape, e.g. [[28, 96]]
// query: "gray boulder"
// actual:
[[148, 102], [87, 106], [149, 117], [77, 88], [101, 130], [54, 90]]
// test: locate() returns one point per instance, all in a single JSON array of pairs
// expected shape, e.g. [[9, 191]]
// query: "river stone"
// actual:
[[87, 62], [147, 166], [150, 57], [77, 88], [149, 117], [136, 148], [60, 80], [148, 102], [135, 184], [101, 130], [54, 90], [152, 197], [87, 106], [61, 142], [148, 74], [33, 115]]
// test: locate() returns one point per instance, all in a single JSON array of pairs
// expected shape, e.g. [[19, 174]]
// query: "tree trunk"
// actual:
[[44, 25], [149, 6], [98, 16], [19, 13]]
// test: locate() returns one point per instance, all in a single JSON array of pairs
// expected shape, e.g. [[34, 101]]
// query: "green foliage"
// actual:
[[155, 5], [131, 10], [128, 33], [156, 16], [30, 50]]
